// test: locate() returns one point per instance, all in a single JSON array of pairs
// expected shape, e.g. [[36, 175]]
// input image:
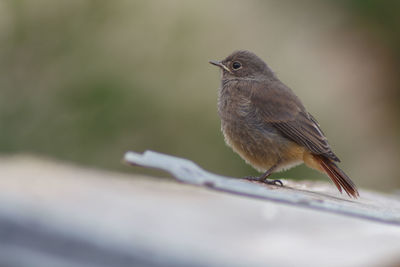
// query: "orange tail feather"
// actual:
[[338, 176]]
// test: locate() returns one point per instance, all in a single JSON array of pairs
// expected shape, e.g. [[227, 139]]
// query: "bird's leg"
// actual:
[[263, 177]]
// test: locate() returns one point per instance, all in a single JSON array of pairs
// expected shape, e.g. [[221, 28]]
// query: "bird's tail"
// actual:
[[338, 176]]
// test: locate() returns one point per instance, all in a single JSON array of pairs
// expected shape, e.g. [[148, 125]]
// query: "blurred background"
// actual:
[[85, 81]]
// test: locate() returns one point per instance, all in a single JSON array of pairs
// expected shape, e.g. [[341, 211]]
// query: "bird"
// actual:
[[268, 126]]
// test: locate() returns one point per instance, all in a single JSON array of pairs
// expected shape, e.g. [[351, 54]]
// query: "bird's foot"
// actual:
[[264, 180]]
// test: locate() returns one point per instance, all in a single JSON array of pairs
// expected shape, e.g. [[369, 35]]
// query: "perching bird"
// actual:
[[268, 126]]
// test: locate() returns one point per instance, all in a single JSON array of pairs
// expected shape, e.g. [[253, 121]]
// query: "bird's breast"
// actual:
[[257, 142]]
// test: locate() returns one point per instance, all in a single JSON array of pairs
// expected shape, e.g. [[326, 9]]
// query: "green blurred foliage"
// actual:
[[382, 19], [382, 16], [87, 80], [66, 94]]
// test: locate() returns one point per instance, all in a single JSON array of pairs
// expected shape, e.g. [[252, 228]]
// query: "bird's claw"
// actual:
[[274, 182], [252, 178], [266, 181]]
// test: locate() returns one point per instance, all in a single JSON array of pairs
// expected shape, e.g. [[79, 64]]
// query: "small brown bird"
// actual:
[[268, 126]]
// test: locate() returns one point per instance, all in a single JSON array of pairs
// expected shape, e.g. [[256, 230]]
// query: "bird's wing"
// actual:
[[278, 106]]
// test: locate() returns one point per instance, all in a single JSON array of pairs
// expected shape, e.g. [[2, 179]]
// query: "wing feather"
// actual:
[[279, 106]]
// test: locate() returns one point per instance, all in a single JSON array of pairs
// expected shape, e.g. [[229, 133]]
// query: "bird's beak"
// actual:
[[219, 64]]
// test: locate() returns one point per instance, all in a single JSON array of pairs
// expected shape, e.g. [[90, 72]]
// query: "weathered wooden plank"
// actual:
[[53, 214], [370, 205]]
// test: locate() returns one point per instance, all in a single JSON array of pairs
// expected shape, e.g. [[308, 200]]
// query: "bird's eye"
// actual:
[[236, 65]]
